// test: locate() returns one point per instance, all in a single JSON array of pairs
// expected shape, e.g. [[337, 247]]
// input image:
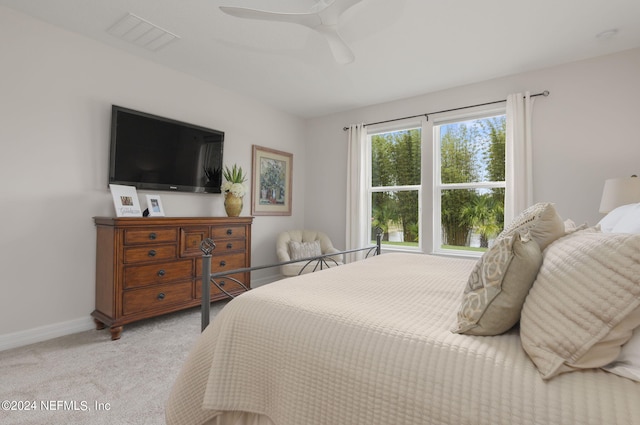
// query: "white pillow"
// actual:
[[628, 362], [630, 222], [610, 220]]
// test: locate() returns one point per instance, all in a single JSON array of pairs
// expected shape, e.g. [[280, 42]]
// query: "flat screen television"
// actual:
[[156, 153]]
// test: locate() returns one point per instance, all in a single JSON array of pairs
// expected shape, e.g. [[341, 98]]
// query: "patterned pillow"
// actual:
[[498, 285], [584, 303], [541, 220], [299, 250]]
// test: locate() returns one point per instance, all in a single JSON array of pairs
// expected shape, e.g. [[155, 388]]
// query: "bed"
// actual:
[[386, 341]]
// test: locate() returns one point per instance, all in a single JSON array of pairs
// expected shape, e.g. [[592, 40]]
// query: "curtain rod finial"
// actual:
[[545, 93]]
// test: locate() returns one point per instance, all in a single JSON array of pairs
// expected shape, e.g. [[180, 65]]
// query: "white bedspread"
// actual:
[[369, 343]]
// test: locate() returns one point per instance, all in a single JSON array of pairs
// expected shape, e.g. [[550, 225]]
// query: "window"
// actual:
[[438, 186], [468, 195], [395, 190]]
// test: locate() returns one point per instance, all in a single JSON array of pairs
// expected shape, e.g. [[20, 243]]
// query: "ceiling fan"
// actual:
[[322, 18]]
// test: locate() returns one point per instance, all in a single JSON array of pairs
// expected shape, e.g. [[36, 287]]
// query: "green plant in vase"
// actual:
[[234, 189]]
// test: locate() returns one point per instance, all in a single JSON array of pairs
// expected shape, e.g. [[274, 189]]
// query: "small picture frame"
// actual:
[[271, 182], [125, 200], [154, 206]]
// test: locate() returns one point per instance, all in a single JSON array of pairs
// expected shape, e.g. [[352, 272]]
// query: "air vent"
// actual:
[[141, 32]]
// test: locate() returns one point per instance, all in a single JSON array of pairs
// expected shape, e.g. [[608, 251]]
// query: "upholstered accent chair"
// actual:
[[297, 244]]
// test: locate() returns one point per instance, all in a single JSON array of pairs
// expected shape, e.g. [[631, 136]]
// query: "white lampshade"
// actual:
[[619, 192]]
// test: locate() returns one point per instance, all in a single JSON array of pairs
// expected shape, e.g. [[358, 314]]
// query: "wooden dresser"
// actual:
[[150, 266]]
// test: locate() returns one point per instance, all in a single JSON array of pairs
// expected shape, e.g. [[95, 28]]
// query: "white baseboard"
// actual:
[[43, 333]]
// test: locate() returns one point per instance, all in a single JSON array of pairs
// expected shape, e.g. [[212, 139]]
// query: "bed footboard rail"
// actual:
[[208, 245]]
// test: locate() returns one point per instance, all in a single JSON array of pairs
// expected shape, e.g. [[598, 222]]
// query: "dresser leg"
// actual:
[[115, 332], [99, 324]]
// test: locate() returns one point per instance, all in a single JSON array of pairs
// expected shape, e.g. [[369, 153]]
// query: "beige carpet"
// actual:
[[89, 379]]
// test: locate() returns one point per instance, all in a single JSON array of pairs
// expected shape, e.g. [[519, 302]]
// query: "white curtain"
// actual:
[[518, 155], [357, 222]]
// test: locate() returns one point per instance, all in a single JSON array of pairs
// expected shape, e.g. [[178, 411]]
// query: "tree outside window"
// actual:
[[395, 186], [472, 181], [467, 196]]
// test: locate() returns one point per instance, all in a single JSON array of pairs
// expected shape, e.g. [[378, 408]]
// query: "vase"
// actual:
[[232, 204]]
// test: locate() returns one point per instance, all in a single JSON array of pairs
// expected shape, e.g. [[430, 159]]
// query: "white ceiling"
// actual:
[[402, 47]]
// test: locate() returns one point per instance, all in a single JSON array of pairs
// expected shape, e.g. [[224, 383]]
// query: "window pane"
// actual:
[[396, 213], [473, 151], [471, 217], [395, 158]]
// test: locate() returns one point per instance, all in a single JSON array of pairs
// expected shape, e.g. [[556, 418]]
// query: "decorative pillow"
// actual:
[[630, 222], [541, 220], [609, 221], [584, 303], [570, 226], [498, 285], [628, 362], [301, 250]]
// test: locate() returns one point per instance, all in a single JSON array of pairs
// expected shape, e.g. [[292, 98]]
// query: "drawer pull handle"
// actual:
[[161, 296], [223, 263], [152, 236], [229, 232], [161, 272], [152, 253], [229, 245]]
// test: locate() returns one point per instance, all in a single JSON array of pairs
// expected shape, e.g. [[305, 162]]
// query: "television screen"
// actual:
[[151, 152]]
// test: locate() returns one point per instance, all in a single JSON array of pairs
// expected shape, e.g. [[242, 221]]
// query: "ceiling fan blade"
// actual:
[[332, 12], [341, 52], [323, 19], [310, 20]]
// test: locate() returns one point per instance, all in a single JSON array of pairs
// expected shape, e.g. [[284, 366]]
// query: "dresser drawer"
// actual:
[[230, 245], [226, 283], [135, 276], [150, 253], [156, 297], [227, 232], [190, 239], [220, 263], [150, 235]]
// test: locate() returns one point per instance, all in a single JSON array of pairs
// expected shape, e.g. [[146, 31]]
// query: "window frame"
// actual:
[[430, 188], [438, 186], [400, 125]]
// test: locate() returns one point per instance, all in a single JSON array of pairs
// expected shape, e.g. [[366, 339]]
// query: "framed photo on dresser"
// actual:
[[125, 200], [154, 206]]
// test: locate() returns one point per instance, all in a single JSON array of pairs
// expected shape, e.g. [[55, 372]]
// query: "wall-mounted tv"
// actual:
[[152, 152]]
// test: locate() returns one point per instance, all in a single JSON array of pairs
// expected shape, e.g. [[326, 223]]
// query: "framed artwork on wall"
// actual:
[[271, 188], [154, 206], [125, 200]]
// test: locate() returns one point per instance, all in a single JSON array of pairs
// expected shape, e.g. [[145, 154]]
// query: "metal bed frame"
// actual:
[[207, 246]]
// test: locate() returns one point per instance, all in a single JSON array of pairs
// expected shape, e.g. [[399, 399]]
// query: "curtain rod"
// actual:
[[544, 93]]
